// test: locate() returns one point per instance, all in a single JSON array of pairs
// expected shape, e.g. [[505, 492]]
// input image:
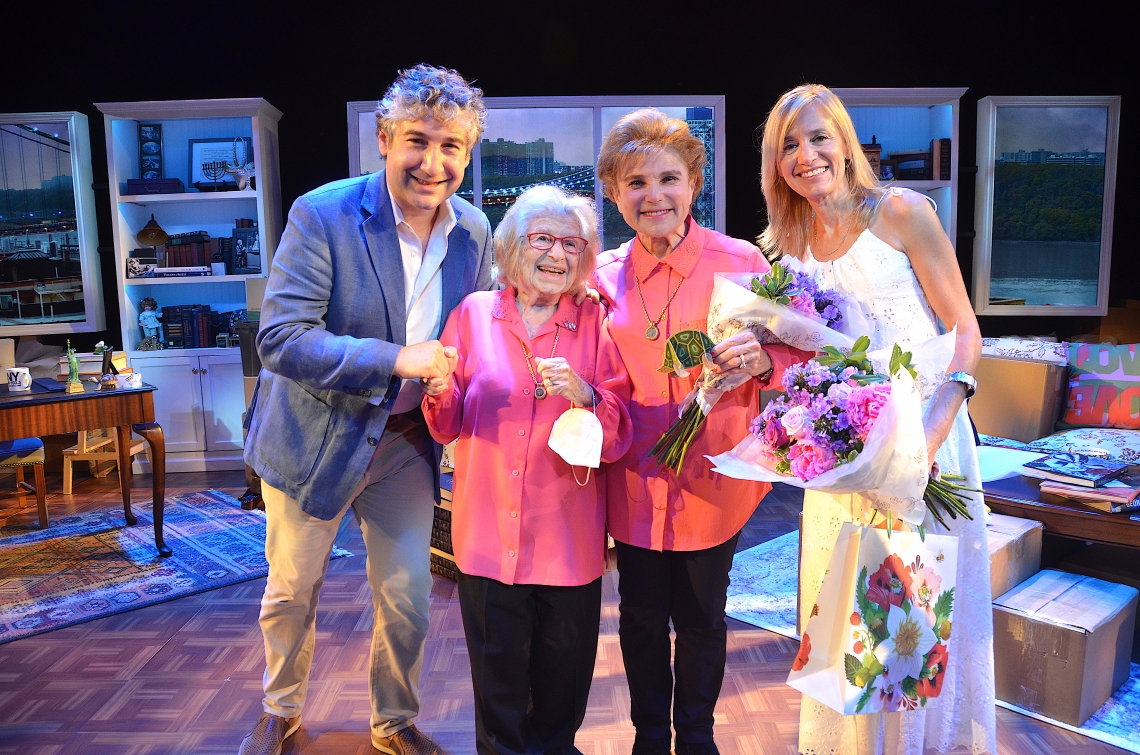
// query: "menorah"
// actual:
[[214, 171]]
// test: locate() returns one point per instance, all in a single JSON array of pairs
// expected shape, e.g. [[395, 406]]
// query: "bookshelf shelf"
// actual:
[[187, 279], [201, 392], [204, 196]]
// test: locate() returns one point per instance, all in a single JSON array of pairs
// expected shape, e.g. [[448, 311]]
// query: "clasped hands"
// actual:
[[432, 364]]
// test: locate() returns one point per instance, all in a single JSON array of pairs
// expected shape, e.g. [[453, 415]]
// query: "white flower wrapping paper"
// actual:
[[893, 469]]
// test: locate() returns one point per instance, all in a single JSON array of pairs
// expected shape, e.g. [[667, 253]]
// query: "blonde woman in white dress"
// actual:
[[885, 251]]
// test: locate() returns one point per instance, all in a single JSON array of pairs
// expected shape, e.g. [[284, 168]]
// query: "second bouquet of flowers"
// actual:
[[850, 421]]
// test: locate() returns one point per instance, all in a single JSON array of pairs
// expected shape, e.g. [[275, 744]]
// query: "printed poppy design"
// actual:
[[891, 584], [936, 662], [802, 656]]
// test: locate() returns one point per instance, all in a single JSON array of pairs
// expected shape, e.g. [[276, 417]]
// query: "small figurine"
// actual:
[[73, 384], [149, 319]]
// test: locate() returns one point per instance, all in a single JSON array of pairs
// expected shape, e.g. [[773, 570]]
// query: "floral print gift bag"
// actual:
[[879, 634]]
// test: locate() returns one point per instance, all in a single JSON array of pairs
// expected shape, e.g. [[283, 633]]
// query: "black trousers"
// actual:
[[690, 588], [532, 651]]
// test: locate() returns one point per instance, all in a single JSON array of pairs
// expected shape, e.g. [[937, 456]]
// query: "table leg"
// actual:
[[124, 435], [152, 432]]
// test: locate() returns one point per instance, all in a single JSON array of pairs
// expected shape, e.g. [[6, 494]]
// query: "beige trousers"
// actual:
[[395, 513]]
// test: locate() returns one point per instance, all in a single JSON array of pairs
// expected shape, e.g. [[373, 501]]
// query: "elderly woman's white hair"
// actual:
[[429, 92], [544, 202]]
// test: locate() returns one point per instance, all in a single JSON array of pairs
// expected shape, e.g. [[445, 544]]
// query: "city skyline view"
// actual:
[[1057, 129]]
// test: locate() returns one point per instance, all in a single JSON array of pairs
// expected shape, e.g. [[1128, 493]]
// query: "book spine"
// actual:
[[944, 160]]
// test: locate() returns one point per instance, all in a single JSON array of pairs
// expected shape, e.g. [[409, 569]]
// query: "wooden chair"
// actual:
[[17, 454], [96, 450]]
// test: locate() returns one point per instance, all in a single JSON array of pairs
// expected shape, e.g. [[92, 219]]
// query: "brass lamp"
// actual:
[[152, 234]]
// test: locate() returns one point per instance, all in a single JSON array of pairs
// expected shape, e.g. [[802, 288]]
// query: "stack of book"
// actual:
[[1100, 483], [192, 249], [187, 326]]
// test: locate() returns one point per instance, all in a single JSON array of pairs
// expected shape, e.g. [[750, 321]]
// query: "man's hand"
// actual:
[[430, 359], [584, 292]]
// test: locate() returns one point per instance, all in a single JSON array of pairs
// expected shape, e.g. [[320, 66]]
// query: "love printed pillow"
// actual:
[[1104, 386]]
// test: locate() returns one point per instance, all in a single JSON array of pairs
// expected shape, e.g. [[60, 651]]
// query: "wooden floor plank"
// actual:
[[185, 676]]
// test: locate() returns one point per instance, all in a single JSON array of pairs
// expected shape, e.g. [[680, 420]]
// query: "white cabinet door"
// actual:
[[223, 401], [178, 400]]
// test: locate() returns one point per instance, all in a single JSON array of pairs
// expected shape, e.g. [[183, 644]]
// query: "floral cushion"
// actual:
[[1021, 348], [1104, 386], [1121, 445]]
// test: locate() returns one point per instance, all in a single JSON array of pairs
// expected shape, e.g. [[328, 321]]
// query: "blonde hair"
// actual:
[[647, 132], [789, 214], [544, 201]]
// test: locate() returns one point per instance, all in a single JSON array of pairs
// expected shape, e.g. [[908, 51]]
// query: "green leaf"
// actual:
[[852, 667], [861, 344], [944, 606], [868, 671], [863, 700], [910, 687], [865, 605]]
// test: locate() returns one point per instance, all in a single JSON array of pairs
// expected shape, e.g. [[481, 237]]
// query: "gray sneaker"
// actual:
[[268, 735], [407, 741]]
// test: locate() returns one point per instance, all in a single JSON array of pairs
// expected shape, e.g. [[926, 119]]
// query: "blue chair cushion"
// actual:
[[20, 452]]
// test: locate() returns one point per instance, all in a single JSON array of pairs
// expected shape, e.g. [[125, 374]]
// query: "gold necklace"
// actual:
[[652, 332], [539, 388], [826, 255]]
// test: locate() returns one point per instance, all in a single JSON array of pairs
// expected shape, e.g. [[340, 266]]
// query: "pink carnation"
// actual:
[[774, 434], [864, 405], [808, 460], [803, 304]]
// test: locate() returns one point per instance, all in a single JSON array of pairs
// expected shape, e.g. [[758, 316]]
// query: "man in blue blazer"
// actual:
[[367, 271]]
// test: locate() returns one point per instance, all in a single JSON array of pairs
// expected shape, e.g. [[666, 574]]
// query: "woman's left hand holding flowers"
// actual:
[[740, 354]]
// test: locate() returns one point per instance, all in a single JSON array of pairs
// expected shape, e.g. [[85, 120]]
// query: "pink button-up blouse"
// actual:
[[518, 516], [649, 506]]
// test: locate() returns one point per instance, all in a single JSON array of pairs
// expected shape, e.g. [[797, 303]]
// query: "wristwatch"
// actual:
[[965, 379]]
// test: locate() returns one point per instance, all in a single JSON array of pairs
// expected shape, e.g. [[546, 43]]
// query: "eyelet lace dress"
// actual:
[[886, 303]]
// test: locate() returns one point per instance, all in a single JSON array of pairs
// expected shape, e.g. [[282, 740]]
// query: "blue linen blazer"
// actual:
[[332, 322]]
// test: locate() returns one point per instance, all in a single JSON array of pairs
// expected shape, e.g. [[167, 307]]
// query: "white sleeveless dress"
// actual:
[[886, 303]]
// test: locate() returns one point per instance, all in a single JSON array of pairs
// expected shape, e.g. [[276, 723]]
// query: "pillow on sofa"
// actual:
[[1104, 386], [1120, 445]]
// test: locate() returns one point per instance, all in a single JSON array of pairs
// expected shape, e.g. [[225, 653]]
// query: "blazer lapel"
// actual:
[[379, 233], [454, 265]]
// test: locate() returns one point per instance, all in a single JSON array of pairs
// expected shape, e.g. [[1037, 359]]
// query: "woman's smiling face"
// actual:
[[656, 194], [813, 157]]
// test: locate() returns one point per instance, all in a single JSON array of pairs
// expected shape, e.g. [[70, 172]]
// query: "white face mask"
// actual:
[[577, 438]]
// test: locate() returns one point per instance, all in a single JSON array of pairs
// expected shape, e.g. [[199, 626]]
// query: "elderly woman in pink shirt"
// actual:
[[528, 528], [675, 534]]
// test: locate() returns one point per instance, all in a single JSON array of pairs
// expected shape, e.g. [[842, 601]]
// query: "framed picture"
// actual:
[[1046, 188], [49, 238], [533, 140], [150, 150], [246, 252], [209, 159]]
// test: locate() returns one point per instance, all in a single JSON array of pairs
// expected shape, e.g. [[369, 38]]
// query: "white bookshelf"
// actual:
[[906, 120], [200, 394]]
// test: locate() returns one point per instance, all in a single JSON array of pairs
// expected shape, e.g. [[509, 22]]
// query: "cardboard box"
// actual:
[[1062, 644], [1018, 398], [1015, 551]]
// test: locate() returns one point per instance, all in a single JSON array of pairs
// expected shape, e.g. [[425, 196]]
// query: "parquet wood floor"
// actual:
[[185, 676]]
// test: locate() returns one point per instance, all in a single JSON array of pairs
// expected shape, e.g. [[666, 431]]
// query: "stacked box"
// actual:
[[1015, 551], [1063, 644]]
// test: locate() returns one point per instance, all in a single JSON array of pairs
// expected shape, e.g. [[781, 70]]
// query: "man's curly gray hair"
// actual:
[[428, 91]]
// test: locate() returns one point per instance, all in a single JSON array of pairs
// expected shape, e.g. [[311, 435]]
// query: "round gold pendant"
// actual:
[[539, 391], [652, 332]]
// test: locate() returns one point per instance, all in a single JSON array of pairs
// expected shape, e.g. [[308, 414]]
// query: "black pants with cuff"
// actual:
[[532, 651], [690, 588]]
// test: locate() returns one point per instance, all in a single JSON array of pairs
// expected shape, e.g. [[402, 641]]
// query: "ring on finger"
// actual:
[[743, 362]]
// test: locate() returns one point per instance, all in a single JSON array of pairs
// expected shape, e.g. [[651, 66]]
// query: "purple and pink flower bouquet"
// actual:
[[841, 426], [802, 313]]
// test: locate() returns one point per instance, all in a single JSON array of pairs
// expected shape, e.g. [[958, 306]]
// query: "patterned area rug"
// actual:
[[763, 594], [90, 565], [762, 591]]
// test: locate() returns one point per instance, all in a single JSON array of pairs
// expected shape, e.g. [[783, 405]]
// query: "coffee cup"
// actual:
[[19, 379]]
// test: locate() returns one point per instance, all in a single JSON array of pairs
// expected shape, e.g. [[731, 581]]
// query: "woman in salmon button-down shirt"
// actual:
[[675, 534], [528, 529]]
